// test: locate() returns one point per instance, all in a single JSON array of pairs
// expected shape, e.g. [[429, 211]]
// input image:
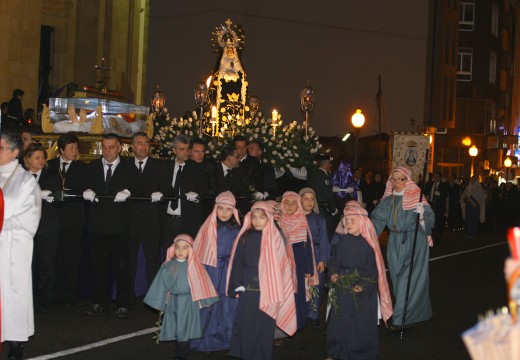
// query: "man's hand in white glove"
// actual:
[[89, 195], [336, 189], [192, 196], [46, 196], [300, 173], [122, 196], [279, 172], [419, 209], [334, 212], [156, 196], [350, 190], [259, 196], [241, 288]]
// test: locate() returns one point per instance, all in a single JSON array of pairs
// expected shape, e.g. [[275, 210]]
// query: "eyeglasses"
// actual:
[[397, 180]]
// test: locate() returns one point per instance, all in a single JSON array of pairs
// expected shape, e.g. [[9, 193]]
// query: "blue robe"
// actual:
[[321, 243], [217, 320], [389, 212], [303, 259], [170, 292], [352, 331]]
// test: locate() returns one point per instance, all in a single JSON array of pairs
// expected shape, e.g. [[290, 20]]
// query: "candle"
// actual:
[[274, 116], [213, 112]]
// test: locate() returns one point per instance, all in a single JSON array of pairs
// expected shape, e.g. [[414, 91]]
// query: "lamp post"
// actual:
[[358, 120], [473, 151], [201, 100], [507, 164], [307, 104]]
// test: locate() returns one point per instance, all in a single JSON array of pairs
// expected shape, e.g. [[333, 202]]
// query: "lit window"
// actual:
[[467, 16]]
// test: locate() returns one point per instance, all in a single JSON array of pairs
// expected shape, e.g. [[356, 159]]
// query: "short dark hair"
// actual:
[[240, 138], [110, 136], [259, 143], [139, 133], [65, 140], [197, 141], [227, 151], [14, 140], [30, 130], [18, 92]]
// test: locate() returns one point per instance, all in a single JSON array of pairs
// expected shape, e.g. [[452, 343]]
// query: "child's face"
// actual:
[[353, 224], [224, 213], [259, 219], [308, 201], [182, 249], [290, 204]]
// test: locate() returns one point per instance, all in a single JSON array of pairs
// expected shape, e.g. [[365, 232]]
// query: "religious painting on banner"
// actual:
[[409, 150]]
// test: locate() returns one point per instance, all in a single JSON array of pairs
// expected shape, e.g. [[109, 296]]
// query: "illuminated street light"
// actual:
[[473, 151], [358, 120]]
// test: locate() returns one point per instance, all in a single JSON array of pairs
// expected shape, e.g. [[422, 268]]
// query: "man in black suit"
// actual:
[[107, 223], [186, 179], [320, 182], [256, 150], [147, 181], [437, 194], [197, 154], [229, 177], [249, 165], [71, 214]]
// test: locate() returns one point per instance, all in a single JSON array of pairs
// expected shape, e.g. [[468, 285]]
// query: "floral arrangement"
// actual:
[[347, 283], [285, 146]]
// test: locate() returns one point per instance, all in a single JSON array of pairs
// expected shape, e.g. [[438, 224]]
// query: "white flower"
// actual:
[[275, 152], [255, 136], [320, 146], [272, 161]]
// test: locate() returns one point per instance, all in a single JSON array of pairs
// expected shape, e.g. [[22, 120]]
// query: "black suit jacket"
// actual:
[[252, 172], [107, 216], [193, 180], [438, 202], [269, 179], [49, 222], [145, 216], [71, 212]]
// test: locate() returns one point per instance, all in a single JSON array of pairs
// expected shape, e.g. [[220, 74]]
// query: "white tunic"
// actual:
[[22, 211]]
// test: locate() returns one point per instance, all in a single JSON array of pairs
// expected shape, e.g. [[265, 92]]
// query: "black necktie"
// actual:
[[36, 176], [64, 168], [109, 175], [177, 189], [227, 172], [140, 167]]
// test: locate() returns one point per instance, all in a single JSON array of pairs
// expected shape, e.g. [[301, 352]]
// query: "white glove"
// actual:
[[192, 196], [375, 202], [349, 190], [46, 196], [90, 195], [279, 172], [300, 173], [419, 209], [122, 196], [156, 196], [259, 196], [266, 194], [437, 193], [336, 189], [335, 212], [241, 288]]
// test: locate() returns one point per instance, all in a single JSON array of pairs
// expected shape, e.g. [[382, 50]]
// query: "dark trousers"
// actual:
[[150, 244], [110, 249], [472, 220], [183, 349], [43, 265], [68, 255], [172, 227]]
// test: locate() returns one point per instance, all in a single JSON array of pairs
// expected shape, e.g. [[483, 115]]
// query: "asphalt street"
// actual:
[[466, 280]]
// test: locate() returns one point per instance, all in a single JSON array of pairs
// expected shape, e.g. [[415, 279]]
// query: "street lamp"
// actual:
[[473, 151], [358, 120], [507, 164]]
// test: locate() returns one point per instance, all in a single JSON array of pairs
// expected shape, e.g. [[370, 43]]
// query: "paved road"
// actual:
[[464, 283]]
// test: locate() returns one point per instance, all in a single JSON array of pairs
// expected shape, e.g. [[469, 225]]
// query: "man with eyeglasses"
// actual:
[[71, 214]]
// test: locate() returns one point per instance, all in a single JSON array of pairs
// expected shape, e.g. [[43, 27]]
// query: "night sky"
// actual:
[[340, 46]]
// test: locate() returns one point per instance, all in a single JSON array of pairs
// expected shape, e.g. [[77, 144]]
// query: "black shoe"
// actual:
[[15, 350], [96, 310], [122, 313]]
